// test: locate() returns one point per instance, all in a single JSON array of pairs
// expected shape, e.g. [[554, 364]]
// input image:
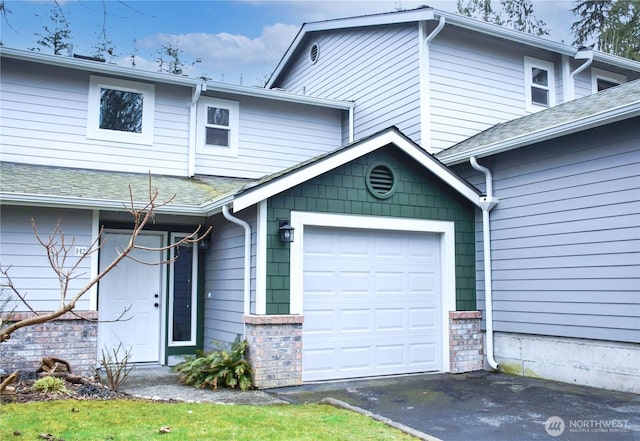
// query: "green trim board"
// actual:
[[419, 195]]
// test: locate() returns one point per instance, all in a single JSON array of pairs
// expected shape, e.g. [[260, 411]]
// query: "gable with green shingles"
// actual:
[[419, 194]]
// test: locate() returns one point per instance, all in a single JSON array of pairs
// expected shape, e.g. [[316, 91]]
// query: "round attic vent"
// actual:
[[314, 53], [381, 181]]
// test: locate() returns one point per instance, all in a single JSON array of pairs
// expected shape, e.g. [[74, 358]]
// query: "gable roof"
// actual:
[[289, 178], [103, 68], [427, 13], [605, 107]]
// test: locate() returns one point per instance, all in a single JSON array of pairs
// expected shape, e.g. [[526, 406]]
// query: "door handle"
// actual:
[[156, 304], [156, 296]]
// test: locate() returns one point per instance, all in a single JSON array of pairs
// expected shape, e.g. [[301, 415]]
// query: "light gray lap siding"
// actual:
[[224, 280], [44, 121], [30, 270], [350, 66], [566, 236]]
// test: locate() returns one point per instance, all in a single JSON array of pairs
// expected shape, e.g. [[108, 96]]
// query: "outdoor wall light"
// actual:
[[286, 231]]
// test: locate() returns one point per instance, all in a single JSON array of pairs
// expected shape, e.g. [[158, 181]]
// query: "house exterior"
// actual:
[[385, 273], [443, 79]]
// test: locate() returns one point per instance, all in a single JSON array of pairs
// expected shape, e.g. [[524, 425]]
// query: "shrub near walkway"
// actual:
[[141, 420]]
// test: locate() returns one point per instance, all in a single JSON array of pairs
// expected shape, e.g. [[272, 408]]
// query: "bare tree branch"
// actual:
[[59, 250]]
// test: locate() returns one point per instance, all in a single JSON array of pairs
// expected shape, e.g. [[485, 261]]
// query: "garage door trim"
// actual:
[[299, 220]]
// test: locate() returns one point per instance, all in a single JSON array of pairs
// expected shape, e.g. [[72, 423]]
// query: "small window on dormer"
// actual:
[[602, 79], [539, 84], [120, 110], [218, 126]]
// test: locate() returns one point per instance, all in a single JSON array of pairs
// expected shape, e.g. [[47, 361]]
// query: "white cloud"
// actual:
[[226, 54]]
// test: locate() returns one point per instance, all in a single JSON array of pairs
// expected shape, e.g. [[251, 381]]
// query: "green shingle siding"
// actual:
[[419, 195]]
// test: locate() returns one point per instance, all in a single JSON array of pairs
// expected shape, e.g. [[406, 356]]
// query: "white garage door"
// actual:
[[371, 303]]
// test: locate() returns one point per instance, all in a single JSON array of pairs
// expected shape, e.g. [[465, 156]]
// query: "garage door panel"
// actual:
[[390, 319], [321, 321], [355, 320], [423, 318], [422, 354], [355, 358], [384, 306], [417, 282], [390, 356], [389, 282]]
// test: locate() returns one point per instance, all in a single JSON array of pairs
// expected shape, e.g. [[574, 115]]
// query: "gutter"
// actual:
[[487, 203], [91, 204], [166, 78], [247, 256]]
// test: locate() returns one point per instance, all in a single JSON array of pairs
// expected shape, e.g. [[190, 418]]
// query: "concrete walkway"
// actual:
[[486, 406], [159, 383]]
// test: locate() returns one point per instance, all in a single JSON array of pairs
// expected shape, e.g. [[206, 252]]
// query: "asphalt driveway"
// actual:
[[486, 406]]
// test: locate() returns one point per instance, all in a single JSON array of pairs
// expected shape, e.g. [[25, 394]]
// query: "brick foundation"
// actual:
[[69, 337], [465, 342], [275, 349]]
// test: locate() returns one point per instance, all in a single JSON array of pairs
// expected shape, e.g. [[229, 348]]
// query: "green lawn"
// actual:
[[139, 420]]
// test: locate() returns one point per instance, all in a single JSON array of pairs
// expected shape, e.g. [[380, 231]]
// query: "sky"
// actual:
[[237, 42]]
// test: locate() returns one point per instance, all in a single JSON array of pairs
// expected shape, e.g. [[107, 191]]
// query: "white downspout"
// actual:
[[351, 123], [425, 82], [487, 203], [193, 127], [580, 55], [247, 256]]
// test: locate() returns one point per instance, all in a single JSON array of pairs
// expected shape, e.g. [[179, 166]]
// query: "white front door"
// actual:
[[136, 288]]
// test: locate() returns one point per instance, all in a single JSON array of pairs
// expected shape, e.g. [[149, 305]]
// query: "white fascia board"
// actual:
[[614, 60], [165, 78], [98, 67], [440, 171], [91, 204], [483, 27], [532, 40], [279, 95], [338, 159], [579, 125], [385, 18]]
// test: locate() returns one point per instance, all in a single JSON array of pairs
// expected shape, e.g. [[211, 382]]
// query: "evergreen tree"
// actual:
[[57, 36], [173, 64], [609, 26], [515, 14], [480, 10]]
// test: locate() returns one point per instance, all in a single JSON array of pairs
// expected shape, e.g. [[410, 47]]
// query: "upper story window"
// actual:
[[120, 110], [540, 88], [601, 80], [218, 126]]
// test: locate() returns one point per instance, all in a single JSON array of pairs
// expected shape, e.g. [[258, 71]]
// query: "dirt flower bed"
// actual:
[[21, 390]]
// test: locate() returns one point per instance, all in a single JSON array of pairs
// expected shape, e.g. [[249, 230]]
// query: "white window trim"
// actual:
[[93, 112], [446, 230], [175, 237], [528, 83], [599, 74], [234, 126]]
